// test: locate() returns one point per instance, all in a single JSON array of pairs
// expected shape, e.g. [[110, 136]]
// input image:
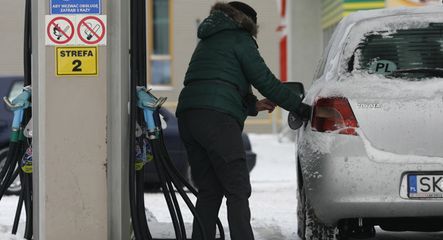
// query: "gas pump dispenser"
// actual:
[[146, 140]]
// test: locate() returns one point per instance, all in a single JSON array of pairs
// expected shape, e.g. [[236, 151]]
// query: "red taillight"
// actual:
[[334, 115]]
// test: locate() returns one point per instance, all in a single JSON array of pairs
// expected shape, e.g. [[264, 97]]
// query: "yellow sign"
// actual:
[[76, 61], [411, 3]]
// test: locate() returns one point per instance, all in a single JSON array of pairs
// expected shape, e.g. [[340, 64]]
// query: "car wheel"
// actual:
[[16, 186], [309, 226], [301, 215]]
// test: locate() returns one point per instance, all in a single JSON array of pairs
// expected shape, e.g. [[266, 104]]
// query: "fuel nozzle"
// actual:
[[149, 103], [20, 102], [18, 105]]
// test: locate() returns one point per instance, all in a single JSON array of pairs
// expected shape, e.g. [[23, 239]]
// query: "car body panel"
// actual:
[[402, 127], [343, 182], [363, 176]]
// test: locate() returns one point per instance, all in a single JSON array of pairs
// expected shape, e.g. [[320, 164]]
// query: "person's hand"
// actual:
[[265, 104]]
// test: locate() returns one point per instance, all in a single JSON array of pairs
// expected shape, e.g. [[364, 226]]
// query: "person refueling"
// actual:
[[213, 105]]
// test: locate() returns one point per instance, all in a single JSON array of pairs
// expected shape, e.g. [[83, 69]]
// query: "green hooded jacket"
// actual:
[[225, 64]]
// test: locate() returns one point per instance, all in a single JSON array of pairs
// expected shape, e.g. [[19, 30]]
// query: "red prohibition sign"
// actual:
[[91, 30], [53, 25]]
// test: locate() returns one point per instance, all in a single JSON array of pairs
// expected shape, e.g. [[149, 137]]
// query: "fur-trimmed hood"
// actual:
[[225, 17]]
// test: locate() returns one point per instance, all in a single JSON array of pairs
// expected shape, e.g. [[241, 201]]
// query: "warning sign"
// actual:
[[76, 61], [59, 30], [75, 30], [91, 30], [75, 7]]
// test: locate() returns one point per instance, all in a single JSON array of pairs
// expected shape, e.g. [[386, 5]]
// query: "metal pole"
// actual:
[[70, 141], [118, 135]]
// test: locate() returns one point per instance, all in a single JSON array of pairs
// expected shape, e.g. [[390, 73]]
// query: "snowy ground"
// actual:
[[273, 202], [8, 206]]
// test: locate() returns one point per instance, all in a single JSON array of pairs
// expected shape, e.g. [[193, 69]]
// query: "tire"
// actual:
[[309, 226], [16, 186], [301, 215]]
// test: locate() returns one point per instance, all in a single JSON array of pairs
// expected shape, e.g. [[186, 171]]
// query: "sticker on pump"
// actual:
[[60, 30], [76, 61], [91, 30]]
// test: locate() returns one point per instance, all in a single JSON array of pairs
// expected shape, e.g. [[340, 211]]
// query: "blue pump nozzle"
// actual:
[[149, 103]]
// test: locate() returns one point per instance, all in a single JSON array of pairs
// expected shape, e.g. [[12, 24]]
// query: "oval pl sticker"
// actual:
[[383, 67]]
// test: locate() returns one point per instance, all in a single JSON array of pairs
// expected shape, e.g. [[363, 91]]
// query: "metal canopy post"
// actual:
[[80, 144], [118, 120]]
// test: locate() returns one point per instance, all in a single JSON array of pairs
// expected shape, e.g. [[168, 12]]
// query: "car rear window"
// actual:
[[411, 54]]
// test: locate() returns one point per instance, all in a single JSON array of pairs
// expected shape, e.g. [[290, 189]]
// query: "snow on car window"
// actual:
[[412, 54], [383, 28]]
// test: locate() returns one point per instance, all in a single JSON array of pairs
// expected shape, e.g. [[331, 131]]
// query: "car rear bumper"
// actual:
[[344, 182]]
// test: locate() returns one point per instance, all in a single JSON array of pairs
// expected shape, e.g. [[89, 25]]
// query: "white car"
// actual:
[[372, 152]]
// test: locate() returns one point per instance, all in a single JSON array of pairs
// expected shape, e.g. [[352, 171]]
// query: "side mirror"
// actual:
[[296, 87], [295, 121]]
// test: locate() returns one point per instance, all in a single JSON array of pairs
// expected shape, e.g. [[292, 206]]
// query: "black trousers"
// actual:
[[218, 165]]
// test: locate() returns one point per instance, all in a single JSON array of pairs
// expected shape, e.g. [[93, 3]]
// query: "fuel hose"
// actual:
[[171, 180]]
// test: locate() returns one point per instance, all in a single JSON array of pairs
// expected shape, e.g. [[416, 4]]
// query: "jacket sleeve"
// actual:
[[260, 76]]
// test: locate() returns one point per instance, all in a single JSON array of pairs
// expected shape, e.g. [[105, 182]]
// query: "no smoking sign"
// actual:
[[91, 30], [75, 30]]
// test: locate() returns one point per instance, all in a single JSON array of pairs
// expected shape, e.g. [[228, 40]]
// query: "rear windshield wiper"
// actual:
[[438, 72]]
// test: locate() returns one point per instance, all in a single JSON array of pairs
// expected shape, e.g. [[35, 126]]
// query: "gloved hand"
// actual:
[[265, 104], [304, 111]]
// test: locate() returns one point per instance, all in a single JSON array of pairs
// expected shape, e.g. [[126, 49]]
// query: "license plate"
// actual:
[[425, 186]]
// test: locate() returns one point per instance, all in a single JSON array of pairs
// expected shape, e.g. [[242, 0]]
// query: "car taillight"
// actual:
[[334, 115]]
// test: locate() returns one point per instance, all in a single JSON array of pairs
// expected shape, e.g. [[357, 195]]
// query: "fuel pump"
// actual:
[[147, 142], [19, 159]]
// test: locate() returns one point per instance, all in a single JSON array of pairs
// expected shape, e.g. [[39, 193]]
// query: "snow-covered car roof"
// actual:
[[388, 12], [343, 42]]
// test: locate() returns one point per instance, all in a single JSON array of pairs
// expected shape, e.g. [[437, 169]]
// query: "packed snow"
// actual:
[[8, 206], [391, 99], [360, 84], [352, 29], [273, 201]]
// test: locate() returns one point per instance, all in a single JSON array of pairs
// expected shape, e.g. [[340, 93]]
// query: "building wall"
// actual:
[[306, 40], [11, 37], [186, 16]]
